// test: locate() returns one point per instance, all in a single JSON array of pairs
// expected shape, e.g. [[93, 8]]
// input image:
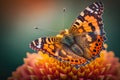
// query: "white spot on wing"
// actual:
[[79, 21], [82, 13], [96, 12], [39, 40], [38, 46], [97, 9], [96, 5], [89, 9], [34, 43]]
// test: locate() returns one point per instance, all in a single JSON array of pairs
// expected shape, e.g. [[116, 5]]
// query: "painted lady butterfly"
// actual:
[[81, 43]]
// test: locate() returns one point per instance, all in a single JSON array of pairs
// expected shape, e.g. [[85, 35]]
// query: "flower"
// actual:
[[42, 67]]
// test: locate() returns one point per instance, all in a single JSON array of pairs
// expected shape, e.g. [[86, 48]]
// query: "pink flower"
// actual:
[[42, 67]]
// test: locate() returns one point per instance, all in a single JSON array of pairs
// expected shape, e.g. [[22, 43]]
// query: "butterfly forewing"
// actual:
[[89, 20], [46, 44]]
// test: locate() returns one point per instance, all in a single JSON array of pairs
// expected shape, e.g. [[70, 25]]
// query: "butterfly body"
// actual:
[[81, 43]]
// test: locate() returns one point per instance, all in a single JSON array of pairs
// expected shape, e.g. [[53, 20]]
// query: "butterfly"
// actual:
[[81, 43]]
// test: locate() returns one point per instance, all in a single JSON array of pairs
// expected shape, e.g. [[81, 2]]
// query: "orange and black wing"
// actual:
[[89, 20], [46, 44], [90, 23]]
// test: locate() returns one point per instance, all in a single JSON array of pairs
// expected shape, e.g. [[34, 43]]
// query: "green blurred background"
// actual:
[[20, 17]]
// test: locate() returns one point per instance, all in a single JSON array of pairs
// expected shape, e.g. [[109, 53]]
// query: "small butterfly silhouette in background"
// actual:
[[64, 9], [36, 28]]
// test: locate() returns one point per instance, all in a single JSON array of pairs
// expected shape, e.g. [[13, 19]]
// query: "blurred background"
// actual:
[[25, 20]]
